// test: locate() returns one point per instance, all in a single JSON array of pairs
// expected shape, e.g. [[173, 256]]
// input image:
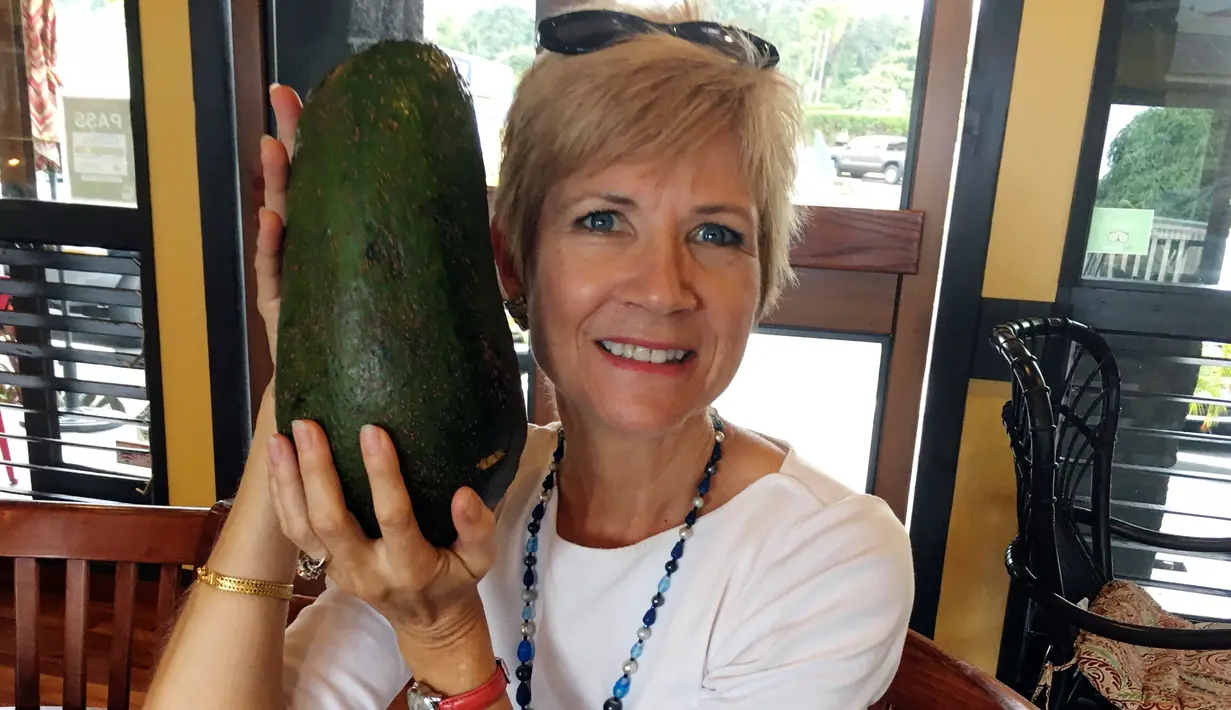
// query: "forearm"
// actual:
[[462, 665], [226, 648]]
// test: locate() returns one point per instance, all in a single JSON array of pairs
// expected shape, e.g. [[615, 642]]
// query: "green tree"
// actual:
[[504, 33], [1160, 161]]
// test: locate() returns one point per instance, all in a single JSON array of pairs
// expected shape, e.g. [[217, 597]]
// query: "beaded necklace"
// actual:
[[529, 595]]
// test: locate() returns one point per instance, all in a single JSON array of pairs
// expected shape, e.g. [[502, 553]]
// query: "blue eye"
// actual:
[[718, 235], [599, 221]]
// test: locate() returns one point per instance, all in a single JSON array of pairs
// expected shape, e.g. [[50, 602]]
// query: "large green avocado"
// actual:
[[391, 313]]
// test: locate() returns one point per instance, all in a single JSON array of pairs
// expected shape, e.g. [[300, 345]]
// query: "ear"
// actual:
[[510, 280]]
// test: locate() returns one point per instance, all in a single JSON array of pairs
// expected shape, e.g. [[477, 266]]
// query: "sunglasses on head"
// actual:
[[586, 31]]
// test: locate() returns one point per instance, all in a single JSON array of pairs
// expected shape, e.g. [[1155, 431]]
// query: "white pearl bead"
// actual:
[[545, 496], [698, 502], [529, 595], [527, 628], [720, 437], [685, 532], [644, 633], [630, 667]]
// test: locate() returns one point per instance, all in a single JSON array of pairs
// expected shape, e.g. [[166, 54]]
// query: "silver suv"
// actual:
[[872, 154]]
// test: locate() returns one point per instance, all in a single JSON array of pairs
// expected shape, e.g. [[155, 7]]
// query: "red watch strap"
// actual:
[[482, 697]]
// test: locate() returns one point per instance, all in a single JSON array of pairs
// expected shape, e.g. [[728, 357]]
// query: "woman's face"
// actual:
[[645, 289]]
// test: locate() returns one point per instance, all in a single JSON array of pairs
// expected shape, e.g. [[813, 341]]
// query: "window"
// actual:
[[77, 418], [818, 393], [492, 42], [65, 92], [855, 63], [1145, 264]]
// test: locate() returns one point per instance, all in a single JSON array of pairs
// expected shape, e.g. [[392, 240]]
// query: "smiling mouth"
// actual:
[[644, 354]]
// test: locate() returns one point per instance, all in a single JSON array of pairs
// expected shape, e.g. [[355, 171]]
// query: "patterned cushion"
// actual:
[[1138, 678]]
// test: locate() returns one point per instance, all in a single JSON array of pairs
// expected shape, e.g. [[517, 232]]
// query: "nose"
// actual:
[[661, 275]]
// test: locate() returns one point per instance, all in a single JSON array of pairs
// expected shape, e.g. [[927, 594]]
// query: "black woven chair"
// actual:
[[1063, 439]]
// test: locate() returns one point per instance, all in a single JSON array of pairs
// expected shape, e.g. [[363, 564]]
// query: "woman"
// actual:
[[649, 554]]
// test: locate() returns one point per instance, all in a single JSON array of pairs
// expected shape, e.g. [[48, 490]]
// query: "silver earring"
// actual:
[[520, 312]]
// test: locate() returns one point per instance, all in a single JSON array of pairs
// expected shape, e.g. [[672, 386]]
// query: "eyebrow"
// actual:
[[726, 209]]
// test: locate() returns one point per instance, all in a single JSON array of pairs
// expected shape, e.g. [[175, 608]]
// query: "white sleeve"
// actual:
[[341, 654], [822, 620]]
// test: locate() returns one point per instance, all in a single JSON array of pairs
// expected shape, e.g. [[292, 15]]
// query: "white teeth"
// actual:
[[642, 354]]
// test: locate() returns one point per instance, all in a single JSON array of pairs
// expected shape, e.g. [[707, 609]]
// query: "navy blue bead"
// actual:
[[523, 673], [528, 578], [691, 518], [658, 600], [650, 617], [549, 482], [525, 651], [678, 551], [704, 486], [538, 512], [533, 527], [613, 704], [523, 694], [671, 566]]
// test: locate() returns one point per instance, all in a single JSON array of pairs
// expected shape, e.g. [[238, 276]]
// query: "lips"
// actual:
[[641, 353]]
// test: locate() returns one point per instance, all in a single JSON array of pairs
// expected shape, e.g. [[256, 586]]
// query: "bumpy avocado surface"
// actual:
[[391, 313]]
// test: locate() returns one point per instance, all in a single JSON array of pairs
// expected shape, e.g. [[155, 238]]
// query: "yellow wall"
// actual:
[[1047, 113], [171, 131]]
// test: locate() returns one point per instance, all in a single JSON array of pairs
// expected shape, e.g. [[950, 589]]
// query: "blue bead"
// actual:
[[650, 617], [528, 578], [704, 486], [525, 651], [678, 551], [691, 518], [621, 686], [532, 544], [527, 612], [671, 566], [538, 512], [664, 584], [523, 694], [635, 651], [549, 482], [716, 454]]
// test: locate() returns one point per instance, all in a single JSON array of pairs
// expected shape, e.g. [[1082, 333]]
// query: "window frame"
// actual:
[[108, 227]]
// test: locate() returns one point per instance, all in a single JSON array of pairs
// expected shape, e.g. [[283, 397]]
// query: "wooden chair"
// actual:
[[930, 679], [126, 536]]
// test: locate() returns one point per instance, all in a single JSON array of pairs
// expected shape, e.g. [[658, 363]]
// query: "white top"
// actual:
[[794, 594]]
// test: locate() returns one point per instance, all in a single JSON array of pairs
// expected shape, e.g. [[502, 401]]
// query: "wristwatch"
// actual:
[[421, 696]]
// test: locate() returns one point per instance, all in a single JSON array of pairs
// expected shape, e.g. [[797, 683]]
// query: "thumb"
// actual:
[[476, 528]]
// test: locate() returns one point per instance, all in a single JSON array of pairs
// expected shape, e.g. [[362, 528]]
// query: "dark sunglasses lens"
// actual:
[[588, 30], [728, 41]]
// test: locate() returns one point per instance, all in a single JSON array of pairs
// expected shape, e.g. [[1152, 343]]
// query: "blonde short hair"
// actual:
[[650, 96]]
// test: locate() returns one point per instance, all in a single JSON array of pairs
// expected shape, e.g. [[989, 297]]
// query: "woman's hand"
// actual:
[[428, 594], [275, 169]]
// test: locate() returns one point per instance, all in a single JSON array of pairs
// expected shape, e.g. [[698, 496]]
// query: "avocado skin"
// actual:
[[391, 313]]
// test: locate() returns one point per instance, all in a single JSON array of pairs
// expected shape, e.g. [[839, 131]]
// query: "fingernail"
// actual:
[[369, 440], [265, 138], [303, 439], [274, 451], [274, 86]]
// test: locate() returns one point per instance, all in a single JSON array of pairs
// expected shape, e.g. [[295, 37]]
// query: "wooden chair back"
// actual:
[[127, 536], [930, 679]]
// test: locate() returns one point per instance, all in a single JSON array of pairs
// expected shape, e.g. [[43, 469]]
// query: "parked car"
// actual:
[[872, 154]]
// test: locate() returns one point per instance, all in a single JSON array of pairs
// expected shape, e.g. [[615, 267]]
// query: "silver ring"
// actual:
[[310, 568]]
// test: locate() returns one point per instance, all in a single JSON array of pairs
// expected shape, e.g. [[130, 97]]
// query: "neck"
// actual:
[[617, 488]]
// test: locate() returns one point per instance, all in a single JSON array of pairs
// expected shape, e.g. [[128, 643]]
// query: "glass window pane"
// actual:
[[1164, 187], [819, 394], [64, 104], [492, 42], [855, 62]]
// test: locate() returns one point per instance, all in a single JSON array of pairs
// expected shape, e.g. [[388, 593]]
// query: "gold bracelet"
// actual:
[[255, 587]]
